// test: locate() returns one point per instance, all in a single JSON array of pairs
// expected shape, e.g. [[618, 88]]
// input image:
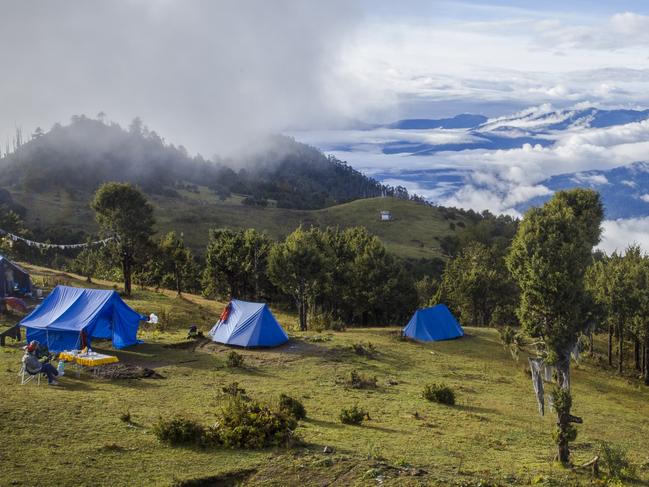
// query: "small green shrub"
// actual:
[[179, 431], [251, 425], [234, 360], [292, 407], [440, 393], [615, 462], [353, 415], [325, 321], [361, 381], [367, 350], [233, 389]]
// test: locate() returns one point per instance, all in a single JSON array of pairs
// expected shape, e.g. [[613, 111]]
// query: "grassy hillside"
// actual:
[[73, 435], [415, 231]]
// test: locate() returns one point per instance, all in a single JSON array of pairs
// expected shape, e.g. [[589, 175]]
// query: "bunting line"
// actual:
[[42, 245]]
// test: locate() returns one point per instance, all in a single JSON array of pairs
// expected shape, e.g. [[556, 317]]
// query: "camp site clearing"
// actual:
[[79, 430]]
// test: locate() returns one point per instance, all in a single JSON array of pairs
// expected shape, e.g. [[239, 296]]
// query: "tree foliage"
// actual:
[[478, 286], [548, 259], [122, 211]]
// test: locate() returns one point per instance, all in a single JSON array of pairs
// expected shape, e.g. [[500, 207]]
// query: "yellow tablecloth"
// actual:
[[89, 360]]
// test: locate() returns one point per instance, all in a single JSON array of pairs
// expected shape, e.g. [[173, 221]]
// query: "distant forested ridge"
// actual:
[[80, 156]]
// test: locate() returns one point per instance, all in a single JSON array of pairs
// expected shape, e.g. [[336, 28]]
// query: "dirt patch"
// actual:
[[191, 344], [230, 479], [125, 371]]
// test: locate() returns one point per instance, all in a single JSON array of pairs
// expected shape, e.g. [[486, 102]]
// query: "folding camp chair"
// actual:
[[26, 377]]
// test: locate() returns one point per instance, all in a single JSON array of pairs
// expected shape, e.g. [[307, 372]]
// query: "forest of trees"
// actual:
[[79, 157]]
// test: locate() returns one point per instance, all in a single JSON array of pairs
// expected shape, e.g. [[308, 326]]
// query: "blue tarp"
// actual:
[[60, 319], [249, 325], [13, 278], [433, 324]]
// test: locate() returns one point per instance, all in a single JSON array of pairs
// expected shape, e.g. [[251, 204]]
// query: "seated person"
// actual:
[[194, 333], [34, 366]]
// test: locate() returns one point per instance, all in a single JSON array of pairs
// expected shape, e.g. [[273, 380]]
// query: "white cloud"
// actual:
[[592, 179], [619, 234], [645, 197]]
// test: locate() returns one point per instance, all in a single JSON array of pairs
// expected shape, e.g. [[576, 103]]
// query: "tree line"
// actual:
[[344, 277]]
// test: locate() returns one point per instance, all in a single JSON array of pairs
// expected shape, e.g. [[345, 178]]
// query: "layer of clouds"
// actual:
[[209, 75], [619, 234]]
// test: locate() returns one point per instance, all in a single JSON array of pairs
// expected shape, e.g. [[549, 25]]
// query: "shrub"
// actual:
[[615, 461], [126, 417], [292, 407], [248, 424], [179, 431], [353, 415], [368, 350], [325, 321], [233, 389], [361, 381], [440, 393], [234, 360]]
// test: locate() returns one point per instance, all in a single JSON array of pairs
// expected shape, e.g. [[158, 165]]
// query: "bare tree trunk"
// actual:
[[610, 344], [620, 351], [126, 269], [636, 354], [178, 281], [646, 364]]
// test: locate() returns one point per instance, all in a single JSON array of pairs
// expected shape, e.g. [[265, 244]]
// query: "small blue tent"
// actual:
[[69, 312], [433, 324], [249, 325], [13, 279]]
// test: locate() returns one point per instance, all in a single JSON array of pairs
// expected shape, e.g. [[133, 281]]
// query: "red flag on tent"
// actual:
[[16, 304], [225, 313]]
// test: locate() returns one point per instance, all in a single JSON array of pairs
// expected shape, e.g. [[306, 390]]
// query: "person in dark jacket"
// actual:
[[34, 366]]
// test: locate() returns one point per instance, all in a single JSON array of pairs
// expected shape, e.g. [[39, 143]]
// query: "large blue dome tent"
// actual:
[[70, 316], [433, 324], [248, 324]]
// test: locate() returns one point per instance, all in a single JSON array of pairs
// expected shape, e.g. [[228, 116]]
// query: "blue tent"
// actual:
[[68, 312], [433, 324], [13, 279], [249, 325]]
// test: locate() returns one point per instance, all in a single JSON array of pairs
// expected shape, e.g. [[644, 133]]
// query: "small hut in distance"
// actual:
[[385, 215]]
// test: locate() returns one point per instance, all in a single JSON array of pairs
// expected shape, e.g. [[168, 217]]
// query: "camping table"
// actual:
[[91, 360]]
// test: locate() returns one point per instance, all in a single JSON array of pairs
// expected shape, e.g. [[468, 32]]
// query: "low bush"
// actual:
[[234, 360], [365, 350], [179, 431], [353, 415], [292, 407], [251, 425], [125, 417], [325, 321], [233, 389], [615, 462], [241, 423], [440, 393], [361, 381]]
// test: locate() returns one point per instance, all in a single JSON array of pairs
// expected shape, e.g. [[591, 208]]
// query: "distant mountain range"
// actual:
[[438, 157], [624, 190]]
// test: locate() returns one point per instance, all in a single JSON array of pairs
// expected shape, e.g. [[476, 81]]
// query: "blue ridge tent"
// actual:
[[70, 312], [433, 324], [248, 325], [13, 278]]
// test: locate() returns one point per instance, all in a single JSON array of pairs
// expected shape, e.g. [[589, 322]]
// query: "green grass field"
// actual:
[[73, 434], [414, 233]]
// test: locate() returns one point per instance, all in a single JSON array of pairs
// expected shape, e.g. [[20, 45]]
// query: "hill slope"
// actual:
[[415, 232], [493, 434], [80, 156]]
